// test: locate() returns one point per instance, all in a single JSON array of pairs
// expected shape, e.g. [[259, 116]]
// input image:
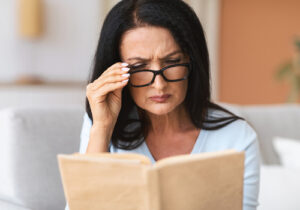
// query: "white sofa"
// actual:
[[31, 137]]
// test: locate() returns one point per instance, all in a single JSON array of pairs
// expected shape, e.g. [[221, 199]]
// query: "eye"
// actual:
[[134, 67], [173, 60]]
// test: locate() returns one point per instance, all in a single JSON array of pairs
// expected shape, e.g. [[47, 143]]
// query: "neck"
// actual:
[[171, 123]]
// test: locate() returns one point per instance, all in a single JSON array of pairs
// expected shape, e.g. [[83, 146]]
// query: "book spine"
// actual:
[[153, 192]]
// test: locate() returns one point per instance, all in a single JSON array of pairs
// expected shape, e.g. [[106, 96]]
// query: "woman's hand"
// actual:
[[105, 99], [105, 94]]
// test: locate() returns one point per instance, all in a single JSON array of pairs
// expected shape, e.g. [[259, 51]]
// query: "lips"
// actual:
[[160, 98]]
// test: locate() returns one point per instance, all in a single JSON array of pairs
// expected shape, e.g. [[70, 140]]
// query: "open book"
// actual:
[[109, 181]]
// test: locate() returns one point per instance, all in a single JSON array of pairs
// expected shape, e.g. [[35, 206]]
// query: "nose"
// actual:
[[159, 82]]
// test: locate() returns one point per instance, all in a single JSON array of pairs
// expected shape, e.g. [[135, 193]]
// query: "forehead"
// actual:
[[148, 41]]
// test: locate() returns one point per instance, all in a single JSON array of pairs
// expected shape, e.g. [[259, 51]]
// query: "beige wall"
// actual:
[[255, 38], [66, 48]]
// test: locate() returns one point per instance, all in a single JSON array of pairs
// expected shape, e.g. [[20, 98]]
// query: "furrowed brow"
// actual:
[[145, 59]]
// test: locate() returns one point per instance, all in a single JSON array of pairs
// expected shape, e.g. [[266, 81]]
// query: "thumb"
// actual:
[[115, 96], [118, 92]]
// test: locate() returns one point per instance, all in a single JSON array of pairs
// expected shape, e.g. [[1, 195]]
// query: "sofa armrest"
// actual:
[[11, 206], [31, 138]]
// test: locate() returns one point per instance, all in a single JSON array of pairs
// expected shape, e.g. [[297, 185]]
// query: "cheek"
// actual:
[[179, 88], [138, 95], [182, 90]]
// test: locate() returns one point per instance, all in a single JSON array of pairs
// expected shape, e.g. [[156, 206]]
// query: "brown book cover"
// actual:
[[129, 181]]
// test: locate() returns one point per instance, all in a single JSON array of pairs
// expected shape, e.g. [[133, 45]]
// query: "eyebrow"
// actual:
[[144, 59]]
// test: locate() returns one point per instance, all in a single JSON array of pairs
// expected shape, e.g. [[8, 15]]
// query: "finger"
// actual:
[[117, 68], [111, 87], [116, 73], [109, 79]]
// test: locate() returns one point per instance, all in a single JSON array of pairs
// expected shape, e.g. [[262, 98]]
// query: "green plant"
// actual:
[[290, 71]]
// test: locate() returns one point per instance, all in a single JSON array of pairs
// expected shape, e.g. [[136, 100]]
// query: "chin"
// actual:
[[160, 109]]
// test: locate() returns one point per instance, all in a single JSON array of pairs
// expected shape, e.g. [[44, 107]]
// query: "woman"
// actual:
[[149, 91]]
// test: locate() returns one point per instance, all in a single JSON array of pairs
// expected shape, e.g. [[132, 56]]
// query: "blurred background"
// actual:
[[256, 39], [46, 54]]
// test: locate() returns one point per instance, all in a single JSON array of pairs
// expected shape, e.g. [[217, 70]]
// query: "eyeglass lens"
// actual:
[[145, 77]]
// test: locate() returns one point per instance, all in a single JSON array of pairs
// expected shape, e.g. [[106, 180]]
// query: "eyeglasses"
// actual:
[[172, 73]]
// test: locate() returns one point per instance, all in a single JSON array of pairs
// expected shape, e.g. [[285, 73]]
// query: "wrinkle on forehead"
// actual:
[[149, 42]]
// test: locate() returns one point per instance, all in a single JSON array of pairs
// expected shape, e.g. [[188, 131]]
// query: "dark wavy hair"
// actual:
[[180, 19]]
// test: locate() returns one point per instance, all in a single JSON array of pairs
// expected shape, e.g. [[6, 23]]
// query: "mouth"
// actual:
[[160, 98]]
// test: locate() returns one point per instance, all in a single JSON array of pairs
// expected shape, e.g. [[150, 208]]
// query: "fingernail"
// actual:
[[125, 69], [125, 75], [124, 64], [124, 81]]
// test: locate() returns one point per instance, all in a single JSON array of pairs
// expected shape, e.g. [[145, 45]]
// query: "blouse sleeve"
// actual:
[[252, 171], [85, 133], [84, 138]]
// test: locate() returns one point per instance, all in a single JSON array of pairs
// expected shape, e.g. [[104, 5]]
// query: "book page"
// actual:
[[115, 156], [211, 181], [188, 157], [105, 183]]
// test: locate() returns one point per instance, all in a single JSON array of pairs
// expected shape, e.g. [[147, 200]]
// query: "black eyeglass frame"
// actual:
[[158, 72]]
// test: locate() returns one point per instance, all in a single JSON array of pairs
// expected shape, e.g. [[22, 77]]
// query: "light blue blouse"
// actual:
[[238, 135]]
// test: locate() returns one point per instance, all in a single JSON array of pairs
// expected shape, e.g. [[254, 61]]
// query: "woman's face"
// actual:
[[154, 48]]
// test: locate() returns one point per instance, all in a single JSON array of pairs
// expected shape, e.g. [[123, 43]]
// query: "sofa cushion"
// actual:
[[270, 121], [288, 151], [279, 188], [30, 140]]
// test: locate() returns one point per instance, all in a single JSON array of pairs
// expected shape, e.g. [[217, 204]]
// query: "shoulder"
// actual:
[[239, 134]]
